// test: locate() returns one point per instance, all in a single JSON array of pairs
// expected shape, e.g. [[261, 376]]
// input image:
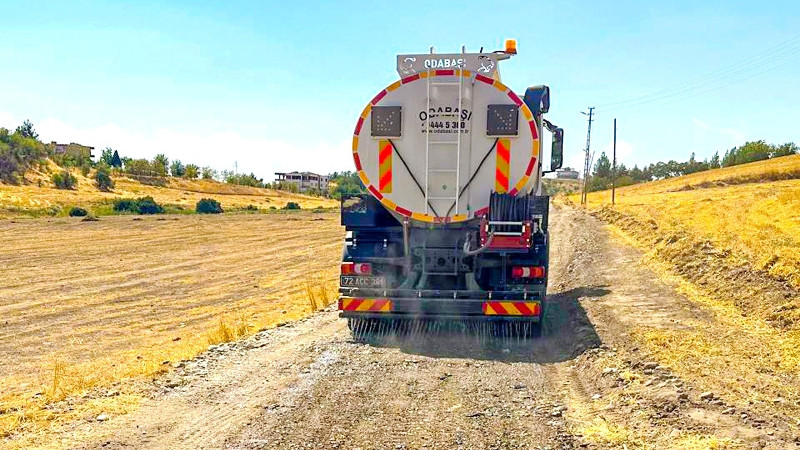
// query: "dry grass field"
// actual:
[[751, 211], [107, 304], [729, 240], [31, 199]]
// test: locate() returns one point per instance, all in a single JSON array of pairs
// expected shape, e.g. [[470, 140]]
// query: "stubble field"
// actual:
[[88, 305]]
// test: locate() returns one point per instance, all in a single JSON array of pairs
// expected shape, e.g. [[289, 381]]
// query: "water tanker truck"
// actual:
[[453, 227]]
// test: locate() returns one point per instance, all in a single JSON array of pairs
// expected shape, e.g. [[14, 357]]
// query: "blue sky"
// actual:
[[278, 85]]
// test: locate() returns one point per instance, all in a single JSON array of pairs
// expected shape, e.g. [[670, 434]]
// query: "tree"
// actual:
[[107, 156], [714, 163], [341, 184], [622, 171], [141, 167], [749, 152], [26, 130], [103, 177], [160, 165], [115, 160], [786, 149], [602, 167], [209, 173], [64, 180], [177, 168], [191, 171]]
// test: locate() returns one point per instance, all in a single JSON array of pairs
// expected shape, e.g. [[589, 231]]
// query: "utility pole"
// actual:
[[614, 167], [587, 162]]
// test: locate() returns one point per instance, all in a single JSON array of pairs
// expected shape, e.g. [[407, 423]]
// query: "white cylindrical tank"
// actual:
[[433, 146]]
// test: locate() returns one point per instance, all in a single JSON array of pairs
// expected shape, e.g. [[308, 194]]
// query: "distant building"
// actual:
[[305, 181], [567, 173], [73, 149]]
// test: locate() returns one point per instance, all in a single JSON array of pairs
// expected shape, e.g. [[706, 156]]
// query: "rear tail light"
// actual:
[[350, 268], [527, 272]]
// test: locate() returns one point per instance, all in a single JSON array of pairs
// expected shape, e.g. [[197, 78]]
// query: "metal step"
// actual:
[[459, 84]]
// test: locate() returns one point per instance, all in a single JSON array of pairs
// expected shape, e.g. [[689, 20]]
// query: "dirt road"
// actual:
[[586, 384]]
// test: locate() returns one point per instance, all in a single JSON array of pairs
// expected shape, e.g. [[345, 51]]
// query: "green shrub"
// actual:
[[64, 180], [103, 178], [149, 206], [292, 205], [77, 211], [143, 205], [125, 205], [208, 206]]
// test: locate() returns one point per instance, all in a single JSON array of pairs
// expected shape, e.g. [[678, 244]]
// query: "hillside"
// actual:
[[728, 240], [37, 196], [750, 211]]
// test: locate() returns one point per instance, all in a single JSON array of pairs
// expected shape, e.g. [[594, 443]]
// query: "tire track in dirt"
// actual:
[[586, 383]]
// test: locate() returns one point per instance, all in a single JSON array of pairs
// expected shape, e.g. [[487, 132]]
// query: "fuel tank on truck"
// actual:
[[435, 144]]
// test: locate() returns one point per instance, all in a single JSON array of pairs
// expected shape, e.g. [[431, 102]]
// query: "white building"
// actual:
[[567, 173]]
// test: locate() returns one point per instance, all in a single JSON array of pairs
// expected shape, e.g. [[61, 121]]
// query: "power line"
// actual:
[[736, 72], [673, 99]]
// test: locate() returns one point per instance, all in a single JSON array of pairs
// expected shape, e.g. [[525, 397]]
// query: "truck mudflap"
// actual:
[[440, 308]]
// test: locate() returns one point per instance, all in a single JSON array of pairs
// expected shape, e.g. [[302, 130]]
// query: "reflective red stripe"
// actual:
[[534, 131], [501, 178], [358, 125], [410, 79], [530, 166], [378, 97], [485, 79], [375, 192], [354, 304], [378, 304], [445, 72], [498, 308], [403, 211], [385, 179], [523, 308]]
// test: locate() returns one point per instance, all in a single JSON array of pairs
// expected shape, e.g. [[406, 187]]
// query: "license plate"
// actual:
[[366, 282]]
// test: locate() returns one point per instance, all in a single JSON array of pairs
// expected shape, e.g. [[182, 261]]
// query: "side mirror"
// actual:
[[557, 154]]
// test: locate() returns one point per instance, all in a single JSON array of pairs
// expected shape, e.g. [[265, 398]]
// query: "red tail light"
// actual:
[[350, 268], [527, 272]]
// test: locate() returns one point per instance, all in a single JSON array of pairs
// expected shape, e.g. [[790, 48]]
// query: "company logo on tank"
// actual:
[[444, 63], [445, 119]]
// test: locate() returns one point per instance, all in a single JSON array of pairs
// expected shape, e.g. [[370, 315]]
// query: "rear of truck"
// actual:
[[454, 227]]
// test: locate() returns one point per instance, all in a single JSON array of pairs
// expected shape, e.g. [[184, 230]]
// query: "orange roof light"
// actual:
[[511, 46]]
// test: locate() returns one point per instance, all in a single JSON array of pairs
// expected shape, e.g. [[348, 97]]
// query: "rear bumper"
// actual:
[[439, 308]]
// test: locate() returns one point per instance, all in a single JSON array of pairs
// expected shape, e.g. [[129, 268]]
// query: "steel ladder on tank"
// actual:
[[440, 145]]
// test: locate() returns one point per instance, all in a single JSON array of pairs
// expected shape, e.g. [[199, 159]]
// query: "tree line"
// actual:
[[602, 172], [21, 150]]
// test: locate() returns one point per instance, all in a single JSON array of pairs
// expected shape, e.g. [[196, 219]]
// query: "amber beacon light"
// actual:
[[511, 46]]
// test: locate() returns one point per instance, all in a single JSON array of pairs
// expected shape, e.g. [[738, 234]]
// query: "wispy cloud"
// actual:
[[736, 136]]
